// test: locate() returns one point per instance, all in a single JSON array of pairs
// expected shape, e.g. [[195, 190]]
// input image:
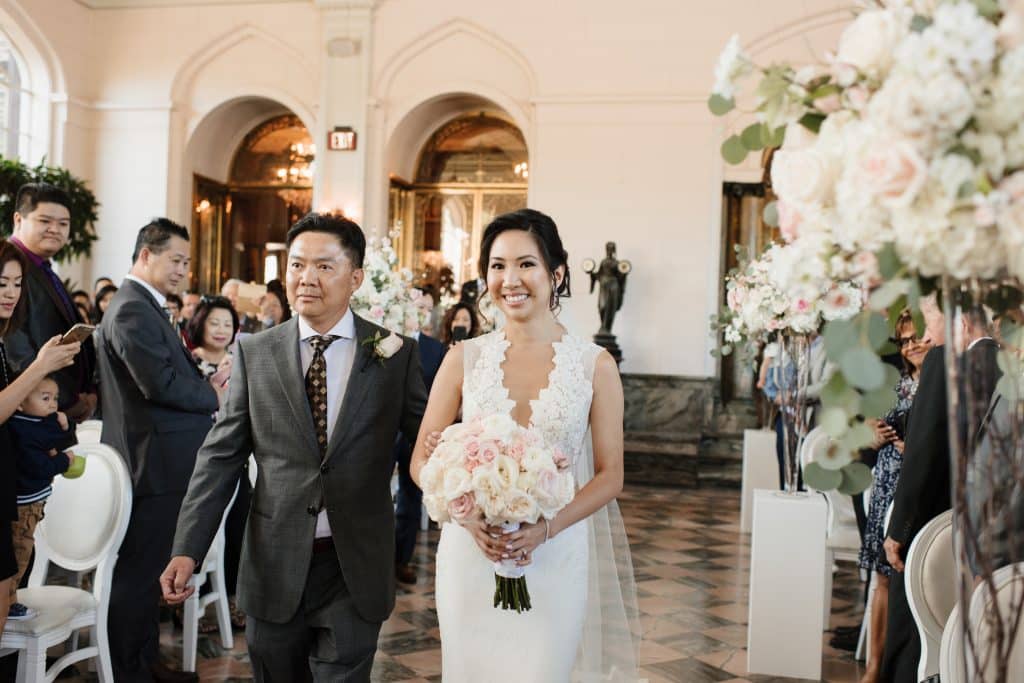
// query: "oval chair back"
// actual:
[[931, 585]]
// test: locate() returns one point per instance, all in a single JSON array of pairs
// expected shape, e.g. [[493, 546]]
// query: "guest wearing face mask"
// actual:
[[460, 322]]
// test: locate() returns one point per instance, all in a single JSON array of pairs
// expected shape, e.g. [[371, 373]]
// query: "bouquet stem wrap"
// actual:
[[510, 591]]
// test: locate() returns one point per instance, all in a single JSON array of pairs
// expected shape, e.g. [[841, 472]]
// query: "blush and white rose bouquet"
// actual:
[[495, 469]]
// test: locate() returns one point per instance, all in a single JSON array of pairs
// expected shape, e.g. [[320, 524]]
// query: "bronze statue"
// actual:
[[611, 275]]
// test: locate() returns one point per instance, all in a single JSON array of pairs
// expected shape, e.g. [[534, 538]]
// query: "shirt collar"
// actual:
[[161, 299], [35, 259], [345, 328], [977, 341]]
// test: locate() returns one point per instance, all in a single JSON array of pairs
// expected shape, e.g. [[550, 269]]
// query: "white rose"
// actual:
[[802, 177], [490, 492], [892, 170], [437, 508], [868, 42], [953, 172], [389, 346], [457, 481], [992, 150], [432, 477], [507, 471], [499, 427], [798, 137], [535, 458], [520, 507]]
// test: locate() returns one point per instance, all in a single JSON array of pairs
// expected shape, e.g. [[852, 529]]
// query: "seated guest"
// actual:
[[211, 331], [51, 357], [924, 486], [83, 302], [100, 283], [889, 442], [173, 306], [460, 322], [41, 438], [274, 308], [103, 298], [188, 306]]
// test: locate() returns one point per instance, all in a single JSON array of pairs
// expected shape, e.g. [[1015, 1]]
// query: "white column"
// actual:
[[787, 585], [346, 35]]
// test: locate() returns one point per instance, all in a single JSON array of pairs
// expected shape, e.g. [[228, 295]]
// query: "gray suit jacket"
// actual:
[[157, 408], [267, 414]]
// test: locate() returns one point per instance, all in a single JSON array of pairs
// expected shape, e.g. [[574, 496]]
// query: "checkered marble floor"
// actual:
[[692, 569]]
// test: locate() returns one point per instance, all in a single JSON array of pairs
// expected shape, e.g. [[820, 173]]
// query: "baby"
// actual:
[[40, 435]]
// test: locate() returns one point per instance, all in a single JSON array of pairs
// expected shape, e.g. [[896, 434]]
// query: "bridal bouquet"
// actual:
[[493, 468]]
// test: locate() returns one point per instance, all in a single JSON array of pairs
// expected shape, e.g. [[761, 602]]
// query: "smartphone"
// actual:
[[78, 333], [459, 332]]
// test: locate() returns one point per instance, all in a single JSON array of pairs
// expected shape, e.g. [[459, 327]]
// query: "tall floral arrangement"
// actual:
[[902, 158], [387, 296]]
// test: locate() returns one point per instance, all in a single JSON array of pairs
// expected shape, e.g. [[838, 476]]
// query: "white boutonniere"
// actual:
[[383, 347]]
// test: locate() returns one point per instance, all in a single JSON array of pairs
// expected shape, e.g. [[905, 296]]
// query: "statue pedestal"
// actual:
[[607, 341]]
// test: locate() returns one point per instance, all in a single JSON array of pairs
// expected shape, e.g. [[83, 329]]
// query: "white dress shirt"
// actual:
[[338, 358], [161, 299]]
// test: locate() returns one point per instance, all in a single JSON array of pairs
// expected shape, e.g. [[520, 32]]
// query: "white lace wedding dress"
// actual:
[[582, 622]]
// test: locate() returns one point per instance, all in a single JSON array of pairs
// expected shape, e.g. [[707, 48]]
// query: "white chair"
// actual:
[[951, 650], [1009, 590], [842, 536], [931, 585], [89, 431], [86, 519], [212, 569]]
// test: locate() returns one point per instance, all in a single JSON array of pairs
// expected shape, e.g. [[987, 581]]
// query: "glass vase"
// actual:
[[792, 371]]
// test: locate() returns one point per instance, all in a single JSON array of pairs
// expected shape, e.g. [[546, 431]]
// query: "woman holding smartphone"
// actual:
[[890, 432], [52, 356], [460, 322]]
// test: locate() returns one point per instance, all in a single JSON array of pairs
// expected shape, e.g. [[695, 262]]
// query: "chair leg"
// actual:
[[104, 666], [227, 638], [863, 653], [34, 659], [190, 632], [830, 558]]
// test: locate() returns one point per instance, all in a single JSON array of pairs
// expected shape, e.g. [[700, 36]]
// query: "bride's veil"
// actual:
[[611, 625]]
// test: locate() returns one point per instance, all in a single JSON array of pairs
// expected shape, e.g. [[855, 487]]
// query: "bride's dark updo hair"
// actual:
[[545, 234]]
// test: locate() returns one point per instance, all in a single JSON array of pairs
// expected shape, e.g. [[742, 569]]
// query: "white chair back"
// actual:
[[89, 431], [951, 650], [86, 518], [1009, 589], [931, 587]]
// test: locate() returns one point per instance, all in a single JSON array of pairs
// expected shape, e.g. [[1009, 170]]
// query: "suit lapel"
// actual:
[[291, 377], [359, 381], [142, 293]]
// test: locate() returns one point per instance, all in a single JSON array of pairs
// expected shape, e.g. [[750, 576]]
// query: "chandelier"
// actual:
[[300, 164]]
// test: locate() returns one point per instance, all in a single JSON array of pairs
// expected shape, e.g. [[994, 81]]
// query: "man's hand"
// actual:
[[62, 420], [174, 580], [892, 553], [84, 408]]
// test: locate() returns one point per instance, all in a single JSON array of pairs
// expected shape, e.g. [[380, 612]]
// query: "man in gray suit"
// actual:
[[318, 401], [157, 409]]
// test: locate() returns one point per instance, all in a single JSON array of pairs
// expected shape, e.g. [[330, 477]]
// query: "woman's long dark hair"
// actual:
[[8, 253], [449, 318]]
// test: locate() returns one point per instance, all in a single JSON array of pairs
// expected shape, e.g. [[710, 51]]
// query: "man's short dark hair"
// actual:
[[31, 195], [155, 236], [174, 298], [348, 232]]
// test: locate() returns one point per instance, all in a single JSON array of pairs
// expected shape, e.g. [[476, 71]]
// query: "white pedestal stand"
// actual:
[[760, 471], [787, 585]]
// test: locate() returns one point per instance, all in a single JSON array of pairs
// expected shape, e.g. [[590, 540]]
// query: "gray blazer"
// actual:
[[267, 414], [157, 408]]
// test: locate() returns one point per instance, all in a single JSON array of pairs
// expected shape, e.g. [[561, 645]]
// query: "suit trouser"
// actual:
[[133, 623], [408, 506], [902, 642], [326, 640]]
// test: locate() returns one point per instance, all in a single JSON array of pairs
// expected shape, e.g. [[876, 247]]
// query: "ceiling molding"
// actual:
[[150, 4]]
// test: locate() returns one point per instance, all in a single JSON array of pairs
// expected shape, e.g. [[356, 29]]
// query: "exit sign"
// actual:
[[341, 139]]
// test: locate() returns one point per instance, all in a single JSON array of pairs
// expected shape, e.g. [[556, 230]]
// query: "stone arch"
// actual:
[[800, 28]]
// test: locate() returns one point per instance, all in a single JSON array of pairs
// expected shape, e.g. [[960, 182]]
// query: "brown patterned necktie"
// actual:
[[316, 389]]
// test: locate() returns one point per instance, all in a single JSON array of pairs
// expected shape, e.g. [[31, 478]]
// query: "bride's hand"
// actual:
[[519, 545], [490, 543], [430, 443]]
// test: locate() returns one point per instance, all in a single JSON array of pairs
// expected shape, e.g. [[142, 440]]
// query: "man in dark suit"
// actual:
[[409, 500], [42, 225], [924, 488], [157, 409], [317, 400]]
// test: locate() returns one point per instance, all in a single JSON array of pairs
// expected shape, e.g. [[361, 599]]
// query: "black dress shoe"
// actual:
[[405, 574], [164, 674]]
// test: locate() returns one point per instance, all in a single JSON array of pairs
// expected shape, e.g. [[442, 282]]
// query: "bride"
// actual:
[[583, 622]]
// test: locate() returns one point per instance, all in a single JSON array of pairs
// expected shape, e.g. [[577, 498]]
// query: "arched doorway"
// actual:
[[239, 226], [471, 169]]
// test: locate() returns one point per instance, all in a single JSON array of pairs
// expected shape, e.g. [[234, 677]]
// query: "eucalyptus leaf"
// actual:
[[889, 263], [771, 214], [835, 456], [859, 436], [987, 8], [878, 402], [883, 297], [862, 368], [777, 137], [812, 122], [733, 150], [856, 478], [888, 349], [840, 337], [752, 137], [821, 479], [919, 23], [834, 421], [720, 106], [878, 330], [825, 91]]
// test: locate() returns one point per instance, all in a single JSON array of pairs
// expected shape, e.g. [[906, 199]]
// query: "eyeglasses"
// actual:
[[906, 341]]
